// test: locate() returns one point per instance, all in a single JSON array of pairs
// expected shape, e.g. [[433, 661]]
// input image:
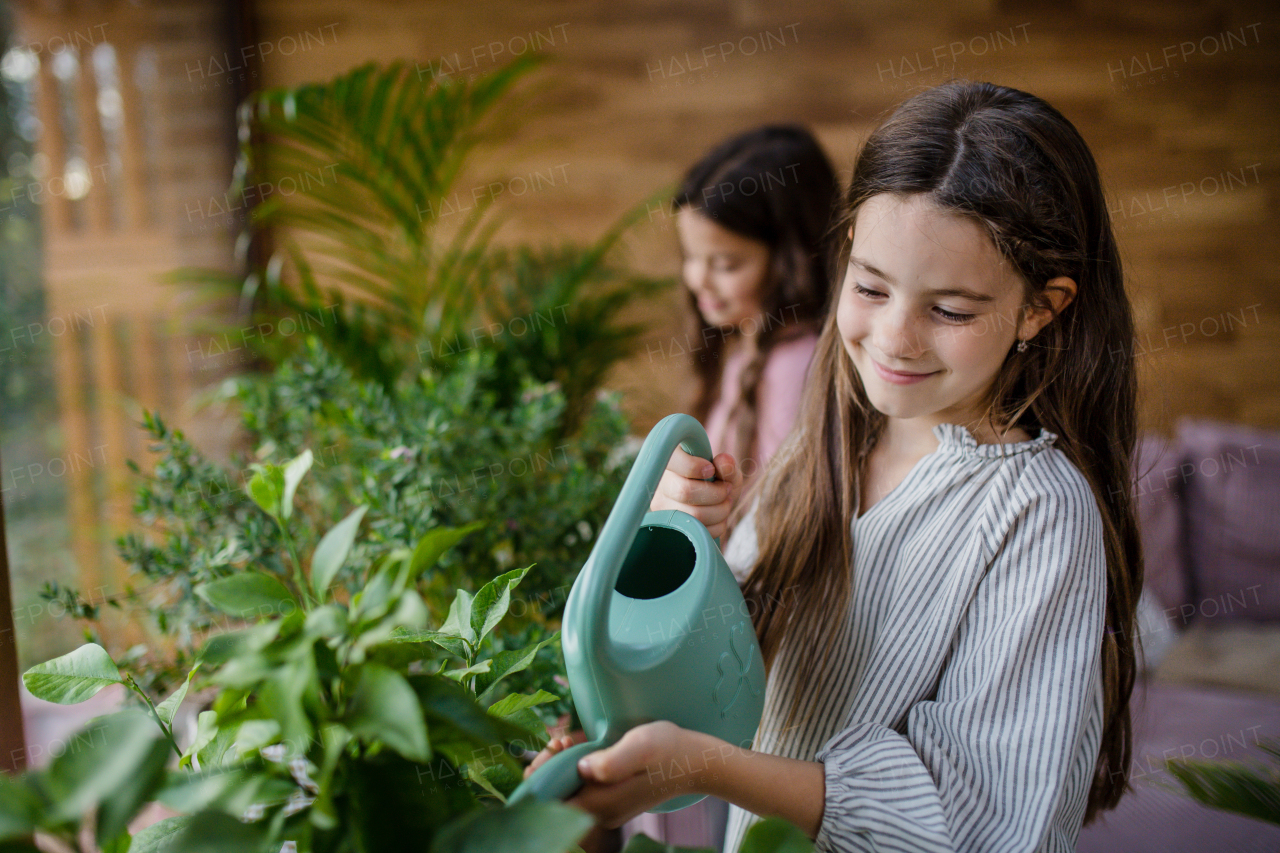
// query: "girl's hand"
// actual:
[[683, 486], [650, 765], [556, 744]]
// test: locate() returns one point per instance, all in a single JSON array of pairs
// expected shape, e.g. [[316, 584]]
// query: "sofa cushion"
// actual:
[[1157, 468], [1230, 480], [1184, 721]]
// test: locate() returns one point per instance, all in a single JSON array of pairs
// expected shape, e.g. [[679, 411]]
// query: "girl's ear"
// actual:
[[1059, 291]]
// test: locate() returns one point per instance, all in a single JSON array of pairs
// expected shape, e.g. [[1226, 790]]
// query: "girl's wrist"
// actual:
[[707, 759]]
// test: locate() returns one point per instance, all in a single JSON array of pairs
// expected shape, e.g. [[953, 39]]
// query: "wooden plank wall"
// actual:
[[1176, 98]]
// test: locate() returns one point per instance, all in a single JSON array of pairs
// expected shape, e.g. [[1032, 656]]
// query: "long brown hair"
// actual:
[[1013, 164], [773, 184]]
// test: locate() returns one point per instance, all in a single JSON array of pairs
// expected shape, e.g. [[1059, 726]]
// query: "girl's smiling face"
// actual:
[[726, 271], [928, 311]]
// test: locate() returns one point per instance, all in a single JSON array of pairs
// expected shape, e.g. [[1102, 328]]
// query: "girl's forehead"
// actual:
[[909, 238], [696, 230]]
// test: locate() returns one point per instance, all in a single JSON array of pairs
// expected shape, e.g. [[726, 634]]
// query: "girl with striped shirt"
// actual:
[[942, 561]]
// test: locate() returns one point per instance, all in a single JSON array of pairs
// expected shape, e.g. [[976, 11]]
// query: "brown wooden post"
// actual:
[[13, 744]]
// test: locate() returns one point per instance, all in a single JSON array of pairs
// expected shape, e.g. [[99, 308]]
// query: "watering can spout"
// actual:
[[603, 566]]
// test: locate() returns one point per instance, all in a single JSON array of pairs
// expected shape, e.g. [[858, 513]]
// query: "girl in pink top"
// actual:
[[755, 223]]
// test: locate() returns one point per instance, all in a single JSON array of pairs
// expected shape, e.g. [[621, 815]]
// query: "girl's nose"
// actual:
[[696, 276], [896, 335]]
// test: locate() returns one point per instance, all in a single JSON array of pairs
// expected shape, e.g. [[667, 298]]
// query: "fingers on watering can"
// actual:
[[727, 470], [688, 465], [553, 746]]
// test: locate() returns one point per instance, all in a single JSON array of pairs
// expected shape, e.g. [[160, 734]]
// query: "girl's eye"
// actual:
[[952, 317], [949, 316]]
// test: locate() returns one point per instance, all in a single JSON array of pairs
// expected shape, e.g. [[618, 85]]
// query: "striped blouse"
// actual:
[[961, 706]]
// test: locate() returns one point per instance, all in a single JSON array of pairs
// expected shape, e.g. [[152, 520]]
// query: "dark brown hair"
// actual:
[[773, 184], [1013, 164]]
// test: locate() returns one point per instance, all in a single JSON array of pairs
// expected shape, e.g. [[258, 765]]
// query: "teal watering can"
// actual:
[[655, 628]]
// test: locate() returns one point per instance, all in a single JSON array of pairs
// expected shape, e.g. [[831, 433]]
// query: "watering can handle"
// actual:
[[600, 574], [558, 778]]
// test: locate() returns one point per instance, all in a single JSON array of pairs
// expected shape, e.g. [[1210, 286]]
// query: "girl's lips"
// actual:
[[898, 378]]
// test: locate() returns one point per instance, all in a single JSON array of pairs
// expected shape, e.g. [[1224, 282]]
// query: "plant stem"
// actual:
[[299, 581], [168, 731]]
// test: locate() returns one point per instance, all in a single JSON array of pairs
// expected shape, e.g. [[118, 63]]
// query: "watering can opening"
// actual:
[[661, 559]]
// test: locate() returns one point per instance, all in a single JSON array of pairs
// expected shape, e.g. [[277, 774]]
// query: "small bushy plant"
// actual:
[[439, 450], [340, 722]]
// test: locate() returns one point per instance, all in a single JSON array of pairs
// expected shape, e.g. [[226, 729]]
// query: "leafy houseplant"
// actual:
[[436, 451], [358, 175], [340, 722]]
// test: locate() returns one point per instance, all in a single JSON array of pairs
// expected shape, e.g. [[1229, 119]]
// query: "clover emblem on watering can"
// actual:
[[655, 627]]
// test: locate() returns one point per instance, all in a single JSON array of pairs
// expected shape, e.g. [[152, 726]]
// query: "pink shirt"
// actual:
[[777, 398]]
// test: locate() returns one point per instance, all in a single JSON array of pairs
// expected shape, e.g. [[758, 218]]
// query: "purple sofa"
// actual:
[[1209, 502]]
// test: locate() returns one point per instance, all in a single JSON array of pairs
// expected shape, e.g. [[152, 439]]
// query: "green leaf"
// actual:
[[122, 843], [435, 543], [74, 677], [294, 471], [458, 622], [528, 720], [391, 800], [166, 709], [505, 663], [463, 672], [492, 601], [252, 735], [1232, 787], [159, 837], [248, 594], [213, 832], [228, 789], [116, 761], [20, 808], [454, 710], [332, 551], [527, 827], [221, 648], [775, 835], [519, 701], [641, 843], [206, 728], [453, 645], [266, 488], [385, 708]]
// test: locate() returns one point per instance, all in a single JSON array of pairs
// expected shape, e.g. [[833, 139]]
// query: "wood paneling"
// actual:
[[1169, 94]]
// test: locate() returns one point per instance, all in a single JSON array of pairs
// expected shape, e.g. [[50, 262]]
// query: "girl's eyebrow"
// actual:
[[963, 293]]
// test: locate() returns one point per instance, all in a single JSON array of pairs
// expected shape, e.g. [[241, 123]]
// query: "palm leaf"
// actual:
[[1232, 786]]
